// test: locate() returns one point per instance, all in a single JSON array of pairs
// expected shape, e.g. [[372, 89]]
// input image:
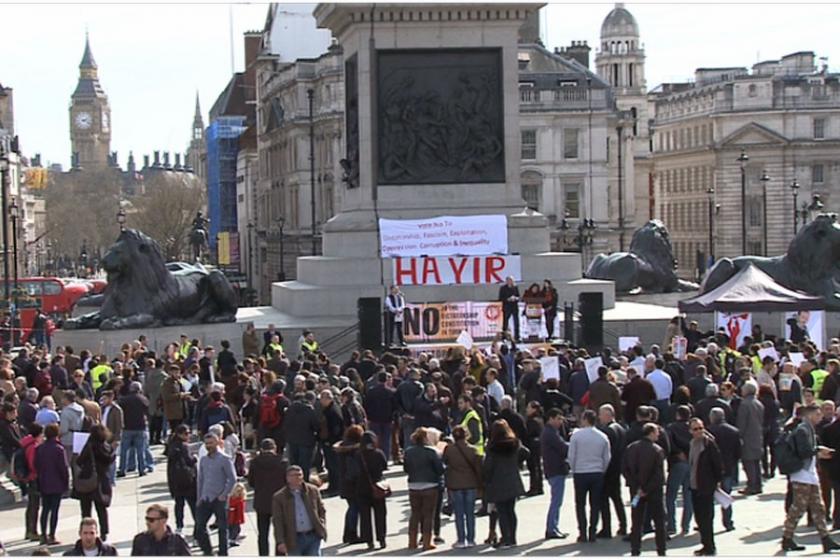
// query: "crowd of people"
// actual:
[[649, 429]]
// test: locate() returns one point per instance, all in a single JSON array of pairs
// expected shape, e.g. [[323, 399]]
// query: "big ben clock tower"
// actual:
[[90, 117]]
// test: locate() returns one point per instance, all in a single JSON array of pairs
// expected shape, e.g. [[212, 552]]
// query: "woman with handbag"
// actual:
[[53, 481], [463, 480], [91, 485], [371, 489]]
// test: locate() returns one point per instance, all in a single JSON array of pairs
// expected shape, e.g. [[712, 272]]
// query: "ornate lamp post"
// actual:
[[14, 214], [742, 160], [585, 237], [764, 180], [794, 188], [310, 95], [281, 222], [711, 192]]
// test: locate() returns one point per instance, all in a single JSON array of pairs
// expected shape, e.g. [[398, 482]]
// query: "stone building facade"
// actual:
[[785, 116], [283, 219]]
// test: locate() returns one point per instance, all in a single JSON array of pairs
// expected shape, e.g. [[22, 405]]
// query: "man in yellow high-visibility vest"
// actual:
[[472, 421], [309, 343]]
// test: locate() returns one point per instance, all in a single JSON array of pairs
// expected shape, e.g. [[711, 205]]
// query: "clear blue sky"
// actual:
[[152, 58]]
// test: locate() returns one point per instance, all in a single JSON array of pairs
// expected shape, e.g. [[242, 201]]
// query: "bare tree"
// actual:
[[81, 208], [166, 210]]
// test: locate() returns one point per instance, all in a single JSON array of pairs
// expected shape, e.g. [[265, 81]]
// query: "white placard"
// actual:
[[800, 325], [723, 499], [764, 352], [465, 340], [680, 346], [785, 381], [627, 342], [79, 441], [443, 236], [796, 358], [592, 365], [550, 367], [446, 271], [736, 325]]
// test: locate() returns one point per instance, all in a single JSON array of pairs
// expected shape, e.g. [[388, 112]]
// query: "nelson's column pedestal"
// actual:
[[431, 129]]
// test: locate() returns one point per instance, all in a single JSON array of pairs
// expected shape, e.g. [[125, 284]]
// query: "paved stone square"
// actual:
[[758, 522]]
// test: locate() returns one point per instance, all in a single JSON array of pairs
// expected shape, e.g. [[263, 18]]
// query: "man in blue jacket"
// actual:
[[555, 452]]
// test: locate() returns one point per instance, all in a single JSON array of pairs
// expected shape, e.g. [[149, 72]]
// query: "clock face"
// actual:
[[83, 120]]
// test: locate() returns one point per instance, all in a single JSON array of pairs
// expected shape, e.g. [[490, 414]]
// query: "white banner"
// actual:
[[444, 271], [802, 325], [443, 236], [736, 326]]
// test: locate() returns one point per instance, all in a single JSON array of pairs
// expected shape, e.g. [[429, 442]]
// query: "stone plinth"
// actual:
[[432, 129]]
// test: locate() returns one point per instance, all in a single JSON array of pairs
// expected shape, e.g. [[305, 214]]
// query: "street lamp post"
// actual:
[[764, 180], [584, 238], [14, 214], [794, 187], [310, 94], [281, 221], [711, 192], [742, 160], [121, 219], [250, 255]]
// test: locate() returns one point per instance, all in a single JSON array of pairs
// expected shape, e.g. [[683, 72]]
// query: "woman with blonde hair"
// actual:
[[424, 468]]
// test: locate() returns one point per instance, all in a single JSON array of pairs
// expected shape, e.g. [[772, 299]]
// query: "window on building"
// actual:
[[571, 199], [526, 93], [819, 129], [531, 189], [635, 116], [817, 173], [529, 144], [570, 143], [614, 80], [630, 70], [754, 248], [754, 211], [753, 90]]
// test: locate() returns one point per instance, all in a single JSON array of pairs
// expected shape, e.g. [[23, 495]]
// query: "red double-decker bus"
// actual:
[[55, 297]]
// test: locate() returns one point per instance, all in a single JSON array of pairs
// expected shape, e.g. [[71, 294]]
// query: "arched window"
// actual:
[[532, 189]]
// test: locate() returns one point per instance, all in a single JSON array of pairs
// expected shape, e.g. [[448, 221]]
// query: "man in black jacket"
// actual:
[[616, 433], [728, 439], [302, 426], [265, 476], [706, 466], [89, 543], [679, 437], [711, 401], [380, 405], [158, 539], [331, 432], [645, 473], [509, 296]]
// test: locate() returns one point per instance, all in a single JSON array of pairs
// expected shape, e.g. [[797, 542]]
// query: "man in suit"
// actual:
[[509, 296], [616, 433], [394, 310], [112, 418]]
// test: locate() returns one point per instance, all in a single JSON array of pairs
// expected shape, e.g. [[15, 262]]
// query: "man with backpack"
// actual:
[[796, 455]]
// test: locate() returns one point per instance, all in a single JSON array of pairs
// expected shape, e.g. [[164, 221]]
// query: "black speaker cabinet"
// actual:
[[591, 307], [370, 323]]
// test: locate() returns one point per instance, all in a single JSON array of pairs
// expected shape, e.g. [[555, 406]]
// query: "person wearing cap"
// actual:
[[264, 478]]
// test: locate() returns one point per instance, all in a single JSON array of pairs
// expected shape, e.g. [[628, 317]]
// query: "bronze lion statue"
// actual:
[[648, 267], [142, 293], [811, 264]]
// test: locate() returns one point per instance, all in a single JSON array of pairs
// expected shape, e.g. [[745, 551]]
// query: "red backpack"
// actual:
[[270, 416]]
